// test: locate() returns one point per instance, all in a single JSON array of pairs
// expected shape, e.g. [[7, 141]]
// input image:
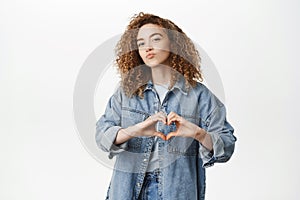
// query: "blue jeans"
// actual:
[[150, 187]]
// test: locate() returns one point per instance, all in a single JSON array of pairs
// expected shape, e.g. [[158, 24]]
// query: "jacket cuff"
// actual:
[[107, 142], [210, 157]]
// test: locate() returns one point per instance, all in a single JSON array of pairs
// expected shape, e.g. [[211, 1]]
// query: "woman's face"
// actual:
[[153, 45]]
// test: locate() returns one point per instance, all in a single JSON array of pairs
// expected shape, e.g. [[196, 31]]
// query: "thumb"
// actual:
[[171, 134], [161, 135]]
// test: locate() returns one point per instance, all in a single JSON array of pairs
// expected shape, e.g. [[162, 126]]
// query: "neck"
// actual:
[[161, 75]]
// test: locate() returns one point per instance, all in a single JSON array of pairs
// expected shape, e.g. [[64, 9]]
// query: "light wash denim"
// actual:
[[149, 189], [182, 160]]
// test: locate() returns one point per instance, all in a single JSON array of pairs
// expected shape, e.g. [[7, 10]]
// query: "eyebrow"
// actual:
[[150, 36]]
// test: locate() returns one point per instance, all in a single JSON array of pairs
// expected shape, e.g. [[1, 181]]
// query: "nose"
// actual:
[[149, 48]]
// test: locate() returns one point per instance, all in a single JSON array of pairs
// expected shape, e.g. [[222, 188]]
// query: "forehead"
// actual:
[[149, 29]]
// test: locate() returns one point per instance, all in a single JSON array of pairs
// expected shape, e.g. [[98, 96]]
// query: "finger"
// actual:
[[170, 116], [161, 113], [160, 116], [156, 118], [161, 135], [162, 119], [171, 134], [175, 118]]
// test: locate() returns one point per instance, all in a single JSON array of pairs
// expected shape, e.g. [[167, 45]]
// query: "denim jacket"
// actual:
[[182, 160]]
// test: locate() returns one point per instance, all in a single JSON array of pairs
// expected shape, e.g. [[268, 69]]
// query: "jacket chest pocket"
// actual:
[[183, 145], [132, 117]]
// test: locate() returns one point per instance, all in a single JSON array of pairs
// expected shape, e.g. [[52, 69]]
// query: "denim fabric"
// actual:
[[149, 189], [182, 161]]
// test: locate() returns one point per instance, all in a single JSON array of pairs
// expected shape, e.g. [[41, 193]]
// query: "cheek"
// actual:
[[142, 54], [166, 46], [163, 47], [164, 54]]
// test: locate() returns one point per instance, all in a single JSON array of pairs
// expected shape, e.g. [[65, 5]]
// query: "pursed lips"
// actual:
[[150, 55]]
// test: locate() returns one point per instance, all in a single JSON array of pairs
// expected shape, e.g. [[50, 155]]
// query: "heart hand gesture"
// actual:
[[147, 127], [184, 127]]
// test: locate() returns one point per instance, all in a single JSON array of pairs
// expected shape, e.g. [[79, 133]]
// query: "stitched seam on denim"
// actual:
[[135, 110]]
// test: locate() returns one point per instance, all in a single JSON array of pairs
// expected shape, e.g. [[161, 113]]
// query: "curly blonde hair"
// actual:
[[184, 58]]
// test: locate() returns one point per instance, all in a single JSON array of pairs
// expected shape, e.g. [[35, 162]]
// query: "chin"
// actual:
[[152, 65]]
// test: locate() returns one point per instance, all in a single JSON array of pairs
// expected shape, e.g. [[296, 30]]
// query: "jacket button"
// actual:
[[138, 184], [145, 160]]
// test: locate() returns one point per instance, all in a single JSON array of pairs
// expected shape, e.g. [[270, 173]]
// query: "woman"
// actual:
[[162, 124]]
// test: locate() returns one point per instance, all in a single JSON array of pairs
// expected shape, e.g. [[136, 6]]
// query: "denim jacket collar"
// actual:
[[180, 85]]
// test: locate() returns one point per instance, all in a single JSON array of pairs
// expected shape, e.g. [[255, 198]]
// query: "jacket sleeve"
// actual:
[[221, 133], [108, 125]]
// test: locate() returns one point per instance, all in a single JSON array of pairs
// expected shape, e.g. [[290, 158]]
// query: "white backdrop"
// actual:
[[43, 44]]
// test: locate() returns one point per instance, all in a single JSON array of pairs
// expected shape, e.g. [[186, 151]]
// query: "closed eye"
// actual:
[[156, 39]]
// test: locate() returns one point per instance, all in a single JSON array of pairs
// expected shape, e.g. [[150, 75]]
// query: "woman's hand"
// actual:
[[147, 127], [184, 127]]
